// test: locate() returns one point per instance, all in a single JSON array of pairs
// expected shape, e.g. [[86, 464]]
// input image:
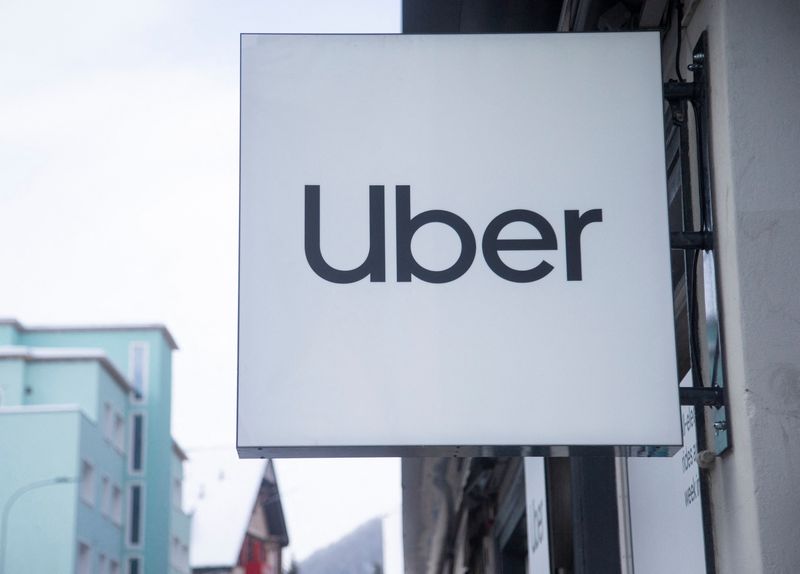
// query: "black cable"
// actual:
[[677, 18], [704, 189]]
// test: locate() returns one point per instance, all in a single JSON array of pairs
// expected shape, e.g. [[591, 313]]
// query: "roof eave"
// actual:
[[64, 355], [95, 327]]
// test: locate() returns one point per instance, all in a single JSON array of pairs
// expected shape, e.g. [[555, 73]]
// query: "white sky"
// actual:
[[119, 199]]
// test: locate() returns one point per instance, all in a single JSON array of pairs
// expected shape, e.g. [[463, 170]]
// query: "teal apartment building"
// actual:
[[90, 478]]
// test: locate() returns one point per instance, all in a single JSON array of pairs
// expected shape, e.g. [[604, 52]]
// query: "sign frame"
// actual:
[[247, 447]]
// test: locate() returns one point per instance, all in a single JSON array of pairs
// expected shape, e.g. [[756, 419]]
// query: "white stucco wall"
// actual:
[[754, 61]]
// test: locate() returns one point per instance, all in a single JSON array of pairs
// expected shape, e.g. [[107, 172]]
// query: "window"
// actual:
[[138, 357], [102, 564], [135, 519], [105, 496], [87, 482], [113, 567], [137, 443], [108, 422], [511, 529], [134, 566], [116, 505], [175, 552], [119, 432], [84, 565], [514, 553], [177, 493]]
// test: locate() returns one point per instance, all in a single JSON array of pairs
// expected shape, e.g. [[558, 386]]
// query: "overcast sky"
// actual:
[[119, 199]]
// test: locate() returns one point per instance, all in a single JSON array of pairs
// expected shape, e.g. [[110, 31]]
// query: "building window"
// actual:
[[108, 422], [514, 553], [177, 492], [105, 496], [87, 483], [135, 519], [119, 432], [134, 566], [84, 565], [102, 564], [113, 567], [138, 370], [116, 505], [175, 553], [137, 443]]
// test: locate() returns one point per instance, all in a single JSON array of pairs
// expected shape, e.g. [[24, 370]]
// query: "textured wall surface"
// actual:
[[754, 57]]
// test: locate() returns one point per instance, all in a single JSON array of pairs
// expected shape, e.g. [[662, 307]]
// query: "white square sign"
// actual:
[[453, 244]]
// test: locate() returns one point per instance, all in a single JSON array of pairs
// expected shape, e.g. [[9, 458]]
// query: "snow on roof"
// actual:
[[111, 327], [50, 353], [65, 354], [220, 490]]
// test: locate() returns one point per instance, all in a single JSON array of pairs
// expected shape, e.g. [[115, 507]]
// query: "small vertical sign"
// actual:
[[536, 511], [666, 508]]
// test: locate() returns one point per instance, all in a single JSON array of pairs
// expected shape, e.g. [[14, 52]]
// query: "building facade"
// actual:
[[238, 522], [90, 471], [732, 140]]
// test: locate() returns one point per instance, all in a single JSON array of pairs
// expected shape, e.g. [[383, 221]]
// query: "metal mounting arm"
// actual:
[[676, 91], [701, 397], [691, 240]]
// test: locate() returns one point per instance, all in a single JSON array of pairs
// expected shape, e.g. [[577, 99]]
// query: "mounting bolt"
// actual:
[[697, 60], [706, 459], [720, 426]]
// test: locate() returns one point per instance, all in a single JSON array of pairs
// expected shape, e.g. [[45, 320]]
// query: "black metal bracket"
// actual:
[[679, 95], [694, 92], [677, 91], [692, 240], [701, 397]]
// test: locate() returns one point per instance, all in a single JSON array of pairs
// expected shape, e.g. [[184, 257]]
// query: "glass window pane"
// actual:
[[136, 515], [138, 437]]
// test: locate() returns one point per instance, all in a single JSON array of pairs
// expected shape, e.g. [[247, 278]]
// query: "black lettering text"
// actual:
[[492, 244], [375, 263], [407, 226], [573, 226]]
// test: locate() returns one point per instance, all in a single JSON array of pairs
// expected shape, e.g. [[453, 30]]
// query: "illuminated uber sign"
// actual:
[[453, 244]]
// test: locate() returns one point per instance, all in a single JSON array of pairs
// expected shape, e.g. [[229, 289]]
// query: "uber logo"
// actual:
[[374, 265]]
